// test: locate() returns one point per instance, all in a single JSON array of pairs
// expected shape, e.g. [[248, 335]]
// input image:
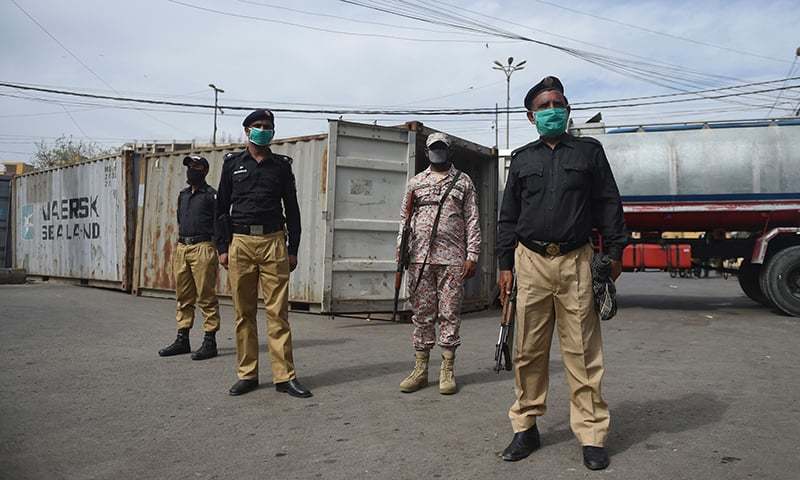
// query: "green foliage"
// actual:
[[65, 151]]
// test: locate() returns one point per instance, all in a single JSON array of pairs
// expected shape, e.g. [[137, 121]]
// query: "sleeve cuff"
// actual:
[[615, 252], [506, 262]]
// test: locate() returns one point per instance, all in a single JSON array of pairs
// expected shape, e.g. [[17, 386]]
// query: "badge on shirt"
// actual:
[[240, 170]]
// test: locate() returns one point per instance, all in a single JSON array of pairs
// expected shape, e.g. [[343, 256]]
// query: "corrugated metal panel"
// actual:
[[166, 177], [5, 219], [73, 222], [346, 257]]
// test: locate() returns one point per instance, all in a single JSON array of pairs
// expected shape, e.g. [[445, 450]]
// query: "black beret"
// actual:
[[547, 83], [195, 159], [260, 114]]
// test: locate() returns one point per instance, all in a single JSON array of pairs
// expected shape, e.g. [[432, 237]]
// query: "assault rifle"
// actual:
[[404, 256], [502, 352]]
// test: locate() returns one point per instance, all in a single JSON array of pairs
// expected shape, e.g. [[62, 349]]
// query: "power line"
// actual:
[[664, 34], [621, 103], [81, 62], [789, 74], [322, 29]]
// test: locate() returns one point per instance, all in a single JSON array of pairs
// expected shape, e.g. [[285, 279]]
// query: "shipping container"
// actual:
[[76, 222], [5, 221], [350, 182]]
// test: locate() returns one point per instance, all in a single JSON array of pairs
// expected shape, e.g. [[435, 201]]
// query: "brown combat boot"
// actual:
[[418, 377], [447, 378]]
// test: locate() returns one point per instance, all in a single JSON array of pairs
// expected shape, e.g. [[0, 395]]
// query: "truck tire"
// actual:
[[780, 279], [748, 276]]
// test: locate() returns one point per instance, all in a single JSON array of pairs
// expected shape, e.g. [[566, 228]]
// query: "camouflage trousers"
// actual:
[[438, 296]]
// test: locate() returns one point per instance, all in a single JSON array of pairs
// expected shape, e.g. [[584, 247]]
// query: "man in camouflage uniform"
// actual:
[[439, 263]]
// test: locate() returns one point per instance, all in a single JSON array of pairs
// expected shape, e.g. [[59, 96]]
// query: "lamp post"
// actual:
[[217, 91], [508, 70]]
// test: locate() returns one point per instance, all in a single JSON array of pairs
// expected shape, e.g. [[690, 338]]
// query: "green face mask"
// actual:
[[260, 136], [551, 122]]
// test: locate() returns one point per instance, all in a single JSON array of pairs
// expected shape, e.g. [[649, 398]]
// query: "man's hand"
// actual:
[[616, 269], [505, 283], [292, 262], [469, 270], [223, 260]]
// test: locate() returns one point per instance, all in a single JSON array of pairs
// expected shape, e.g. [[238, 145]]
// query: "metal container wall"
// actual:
[[5, 220], [75, 222], [707, 161], [350, 183], [165, 177]]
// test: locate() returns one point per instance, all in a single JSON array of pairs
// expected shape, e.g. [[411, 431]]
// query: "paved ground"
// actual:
[[702, 385]]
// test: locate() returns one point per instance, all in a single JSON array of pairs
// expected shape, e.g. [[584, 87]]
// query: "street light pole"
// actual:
[[508, 70], [217, 91]]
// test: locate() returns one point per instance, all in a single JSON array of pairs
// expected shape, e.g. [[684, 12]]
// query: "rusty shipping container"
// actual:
[[76, 222], [5, 221], [350, 182]]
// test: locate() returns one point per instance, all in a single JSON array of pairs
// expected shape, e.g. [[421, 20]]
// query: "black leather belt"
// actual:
[[552, 249], [255, 229], [194, 240]]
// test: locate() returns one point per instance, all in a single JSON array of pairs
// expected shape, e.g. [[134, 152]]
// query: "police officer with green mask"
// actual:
[[559, 189]]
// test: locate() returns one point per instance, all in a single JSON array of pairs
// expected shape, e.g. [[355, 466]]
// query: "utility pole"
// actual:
[[508, 70], [217, 91], [496, 126]]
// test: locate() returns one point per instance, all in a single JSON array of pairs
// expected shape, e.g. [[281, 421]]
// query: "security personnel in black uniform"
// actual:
[[256, 188], [195, 261], [559, 188]]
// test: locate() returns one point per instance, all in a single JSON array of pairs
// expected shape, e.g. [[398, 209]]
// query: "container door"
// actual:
[[368, 169]]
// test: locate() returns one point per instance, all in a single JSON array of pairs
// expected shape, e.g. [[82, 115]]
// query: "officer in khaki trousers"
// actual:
[[559, 188], [256, 189], [195, 262]]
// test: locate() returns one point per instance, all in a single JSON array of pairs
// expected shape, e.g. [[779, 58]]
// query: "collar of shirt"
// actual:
[[567, 140], [269, 158], [450, 173], [202, 188]]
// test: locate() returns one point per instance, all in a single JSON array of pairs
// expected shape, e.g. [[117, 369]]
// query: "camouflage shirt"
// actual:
[[458, 237]]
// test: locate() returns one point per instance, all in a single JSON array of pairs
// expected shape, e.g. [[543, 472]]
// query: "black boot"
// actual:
[[293, 388], [523, 444], [595, 458], [208, 349], [179, 346]]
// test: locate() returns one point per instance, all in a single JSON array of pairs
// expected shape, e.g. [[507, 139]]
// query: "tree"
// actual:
[[65, 151]]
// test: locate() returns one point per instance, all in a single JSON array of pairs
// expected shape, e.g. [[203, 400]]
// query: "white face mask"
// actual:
[[438, 157]]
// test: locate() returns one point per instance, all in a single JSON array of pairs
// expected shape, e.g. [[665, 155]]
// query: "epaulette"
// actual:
[[284, 158], [527, 145], [588, 140], [232, 155]]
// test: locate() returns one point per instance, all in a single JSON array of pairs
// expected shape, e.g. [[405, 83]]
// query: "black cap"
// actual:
[[547, 83], [196, 159], [260, 114]]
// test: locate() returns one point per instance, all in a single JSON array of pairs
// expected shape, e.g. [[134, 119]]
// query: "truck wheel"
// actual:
[[748, 276], [781, 277]]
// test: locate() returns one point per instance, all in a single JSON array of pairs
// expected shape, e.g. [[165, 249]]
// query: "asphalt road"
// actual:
[[702, 384]]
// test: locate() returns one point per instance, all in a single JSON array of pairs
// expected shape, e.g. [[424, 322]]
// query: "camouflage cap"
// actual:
[[437, 137]]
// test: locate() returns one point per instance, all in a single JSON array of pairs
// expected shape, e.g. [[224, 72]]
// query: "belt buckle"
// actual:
[[256, 229], [552, 249]]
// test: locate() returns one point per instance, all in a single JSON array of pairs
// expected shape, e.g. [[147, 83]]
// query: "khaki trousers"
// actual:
[[195, 268], [557, 292], [254, 258]]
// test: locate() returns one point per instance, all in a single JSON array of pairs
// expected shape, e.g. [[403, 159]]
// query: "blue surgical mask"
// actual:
[[260, 136]]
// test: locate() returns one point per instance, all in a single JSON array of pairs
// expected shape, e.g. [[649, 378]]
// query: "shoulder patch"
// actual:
[[232, 155], [284, 158]]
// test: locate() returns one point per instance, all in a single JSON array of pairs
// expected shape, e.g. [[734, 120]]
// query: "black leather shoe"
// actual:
[[178, 347], [208, 349], [243, 386], [595, 458], [293, 388], [523, 444]]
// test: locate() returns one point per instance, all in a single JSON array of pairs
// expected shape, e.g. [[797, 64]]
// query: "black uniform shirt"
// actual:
[[559, 195], [196, 211], [259, 194]]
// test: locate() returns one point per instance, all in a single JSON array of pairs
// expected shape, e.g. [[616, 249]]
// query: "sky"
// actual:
[[329, 54]]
